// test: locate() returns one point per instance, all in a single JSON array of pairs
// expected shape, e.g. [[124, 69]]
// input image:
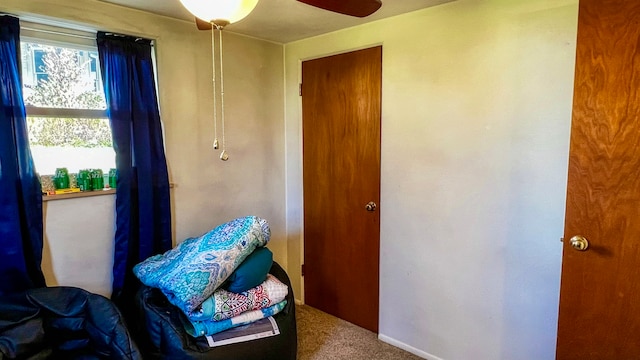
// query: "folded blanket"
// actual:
[[224, 304], [203, 328], [189, 273]]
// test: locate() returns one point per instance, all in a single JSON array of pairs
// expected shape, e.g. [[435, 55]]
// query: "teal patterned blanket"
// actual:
[[203, 328], [189, 273]]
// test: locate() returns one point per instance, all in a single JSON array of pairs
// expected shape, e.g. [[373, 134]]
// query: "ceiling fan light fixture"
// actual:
[[220, 11]]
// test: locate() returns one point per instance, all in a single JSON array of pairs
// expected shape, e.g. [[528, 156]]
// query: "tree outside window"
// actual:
[[65, 108]]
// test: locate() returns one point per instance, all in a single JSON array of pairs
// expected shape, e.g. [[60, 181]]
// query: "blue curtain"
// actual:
[[20, 190], [143, 216]]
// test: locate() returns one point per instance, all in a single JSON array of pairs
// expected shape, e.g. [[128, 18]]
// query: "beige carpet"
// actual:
[[324, 337]]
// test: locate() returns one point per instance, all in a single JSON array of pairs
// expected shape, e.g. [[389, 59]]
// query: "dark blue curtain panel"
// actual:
[[20, 190], [143, 215]]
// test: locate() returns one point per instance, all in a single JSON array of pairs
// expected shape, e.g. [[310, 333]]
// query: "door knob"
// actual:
[[579, 243], [371, 206]]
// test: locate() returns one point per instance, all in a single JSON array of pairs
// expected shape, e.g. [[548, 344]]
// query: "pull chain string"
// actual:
[[224, 142], [215, 108]]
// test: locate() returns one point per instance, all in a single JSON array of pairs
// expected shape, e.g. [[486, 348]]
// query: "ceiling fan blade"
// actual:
[[202, 25], [358, 8]]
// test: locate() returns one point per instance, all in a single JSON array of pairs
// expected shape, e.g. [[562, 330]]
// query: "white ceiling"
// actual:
[[284, 21]]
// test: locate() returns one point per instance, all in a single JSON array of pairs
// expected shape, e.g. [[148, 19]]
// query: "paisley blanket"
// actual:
[[203, 328], [224, 304], [189, 273]]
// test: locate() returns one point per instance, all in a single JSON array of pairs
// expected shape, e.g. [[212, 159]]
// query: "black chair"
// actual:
[[63, 323]]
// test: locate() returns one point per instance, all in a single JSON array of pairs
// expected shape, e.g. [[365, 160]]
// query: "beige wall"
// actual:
[[475, 129], [476, 110], [207, 191], [78, 243]]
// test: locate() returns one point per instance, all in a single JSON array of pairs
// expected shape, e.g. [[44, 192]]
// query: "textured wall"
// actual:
[[476, 112]]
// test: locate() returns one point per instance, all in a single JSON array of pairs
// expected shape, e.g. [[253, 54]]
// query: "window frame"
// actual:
[[60, 37], [35, 111], [67, 38]]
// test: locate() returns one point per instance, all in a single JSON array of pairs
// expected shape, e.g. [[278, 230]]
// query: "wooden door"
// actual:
[[600, 290], [341, 169]]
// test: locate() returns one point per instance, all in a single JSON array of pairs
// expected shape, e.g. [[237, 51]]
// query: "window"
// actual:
[[65, 102]]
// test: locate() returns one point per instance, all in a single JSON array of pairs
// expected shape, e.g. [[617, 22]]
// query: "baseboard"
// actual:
[[411, 349]]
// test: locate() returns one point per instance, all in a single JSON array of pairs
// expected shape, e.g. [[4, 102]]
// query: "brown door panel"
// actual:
[[600, 287], [341, 170]]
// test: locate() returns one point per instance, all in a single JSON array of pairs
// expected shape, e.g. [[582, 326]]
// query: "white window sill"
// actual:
[[85, 194], [78, 194]]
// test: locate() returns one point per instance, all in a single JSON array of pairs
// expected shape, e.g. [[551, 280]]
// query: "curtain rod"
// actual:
[[58, 33], [129, 36]]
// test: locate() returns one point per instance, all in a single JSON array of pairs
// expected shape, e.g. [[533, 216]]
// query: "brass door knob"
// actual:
[[371, 206], [579, 243]]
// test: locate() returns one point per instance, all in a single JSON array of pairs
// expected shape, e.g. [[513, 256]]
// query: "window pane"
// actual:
[[61, 77], [72, 143], [56, 77]]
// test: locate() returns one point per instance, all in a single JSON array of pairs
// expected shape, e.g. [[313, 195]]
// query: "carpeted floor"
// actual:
[[324, 337]]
